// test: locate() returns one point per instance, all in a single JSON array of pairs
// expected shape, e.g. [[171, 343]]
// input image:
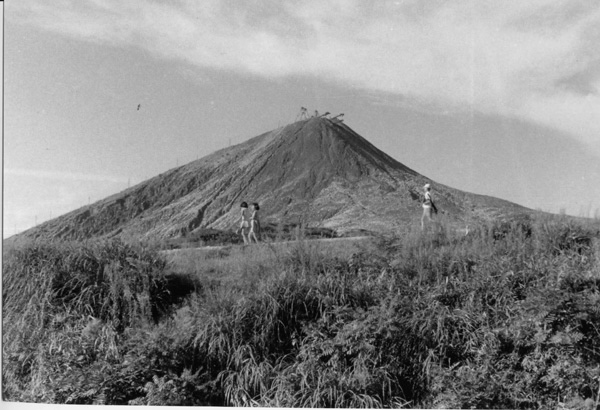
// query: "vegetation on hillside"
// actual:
[[507, 316], [315, 172], [269, 232]]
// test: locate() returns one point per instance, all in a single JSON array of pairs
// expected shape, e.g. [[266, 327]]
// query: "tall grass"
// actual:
[[505, 316], [67, 301]]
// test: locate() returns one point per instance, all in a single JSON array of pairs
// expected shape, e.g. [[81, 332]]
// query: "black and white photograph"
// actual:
[[301, 203]]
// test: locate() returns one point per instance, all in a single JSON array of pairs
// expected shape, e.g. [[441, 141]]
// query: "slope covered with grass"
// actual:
[[316, 172], [506, 316]]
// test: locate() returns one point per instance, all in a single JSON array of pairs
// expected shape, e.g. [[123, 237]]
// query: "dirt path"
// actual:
[[355, 239]]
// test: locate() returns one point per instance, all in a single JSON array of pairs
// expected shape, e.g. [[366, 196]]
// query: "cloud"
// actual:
[[537, 60]]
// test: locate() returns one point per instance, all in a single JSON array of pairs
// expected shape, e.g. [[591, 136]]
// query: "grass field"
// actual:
[[507, 316], [234, 264]]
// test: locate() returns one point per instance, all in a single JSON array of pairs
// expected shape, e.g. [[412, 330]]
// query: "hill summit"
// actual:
[[317, 172]]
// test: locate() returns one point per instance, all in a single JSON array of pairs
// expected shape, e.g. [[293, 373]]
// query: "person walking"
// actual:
[[254, 224], [428, 206], [244, 228]]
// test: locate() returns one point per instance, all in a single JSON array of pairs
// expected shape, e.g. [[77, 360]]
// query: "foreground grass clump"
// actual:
[[504, 317], [64, 307]]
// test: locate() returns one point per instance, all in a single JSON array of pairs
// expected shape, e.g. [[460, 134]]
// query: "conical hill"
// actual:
[[317, 172]]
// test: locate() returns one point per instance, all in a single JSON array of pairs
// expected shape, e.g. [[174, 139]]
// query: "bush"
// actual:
[[58, 298], [506, 316]]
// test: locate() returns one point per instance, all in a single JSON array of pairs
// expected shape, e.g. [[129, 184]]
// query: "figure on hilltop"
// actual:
[[303, 114], [338, 118]]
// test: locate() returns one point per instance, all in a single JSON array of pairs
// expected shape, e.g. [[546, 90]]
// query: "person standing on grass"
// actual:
[[244, 228], [254, 224], [428, 206]]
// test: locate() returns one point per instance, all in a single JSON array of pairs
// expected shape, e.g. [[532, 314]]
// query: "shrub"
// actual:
[[427, 320], [51, 291]]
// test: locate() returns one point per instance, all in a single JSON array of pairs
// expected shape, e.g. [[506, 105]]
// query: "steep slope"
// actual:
[[317, 171]]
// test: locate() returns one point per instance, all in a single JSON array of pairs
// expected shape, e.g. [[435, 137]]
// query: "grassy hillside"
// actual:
[[504, 317], [315, 172]]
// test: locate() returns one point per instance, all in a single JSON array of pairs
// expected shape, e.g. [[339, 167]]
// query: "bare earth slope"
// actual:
[[317, 171]]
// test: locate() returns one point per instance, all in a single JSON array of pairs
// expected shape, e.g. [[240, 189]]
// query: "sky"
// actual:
[[496, 98]]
